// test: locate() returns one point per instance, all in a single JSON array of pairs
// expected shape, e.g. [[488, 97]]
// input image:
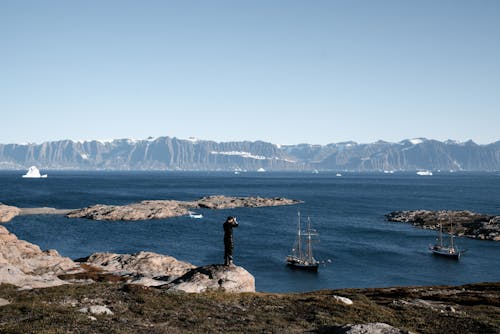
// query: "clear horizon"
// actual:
[[284, 72]]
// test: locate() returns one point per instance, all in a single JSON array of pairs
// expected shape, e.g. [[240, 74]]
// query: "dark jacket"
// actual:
[[228, 230]]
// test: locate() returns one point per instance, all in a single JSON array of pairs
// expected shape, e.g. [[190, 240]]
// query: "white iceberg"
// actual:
[[34, 173], [424, 173], [261, 170]]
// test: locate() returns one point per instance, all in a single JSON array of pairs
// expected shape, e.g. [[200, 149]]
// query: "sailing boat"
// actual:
[[439, 248], [302, 256]]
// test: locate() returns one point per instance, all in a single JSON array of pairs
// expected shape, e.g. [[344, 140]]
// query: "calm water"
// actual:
[[348, 211]]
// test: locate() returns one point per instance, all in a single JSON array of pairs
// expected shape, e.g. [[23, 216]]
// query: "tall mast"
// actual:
[[309, 248], [441, 234], [299, 237], [451, 232]]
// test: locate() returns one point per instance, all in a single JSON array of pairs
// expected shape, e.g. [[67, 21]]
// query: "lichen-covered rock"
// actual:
[[161, 209], [224, 202], [369, 328], [214, 278], [144, 268], [8, 212], [96, 309], [137, 211]]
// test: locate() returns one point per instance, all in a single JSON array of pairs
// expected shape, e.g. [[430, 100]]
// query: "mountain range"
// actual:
[[167, 153]]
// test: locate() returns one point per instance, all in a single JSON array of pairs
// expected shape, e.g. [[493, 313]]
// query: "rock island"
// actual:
[[461, 223], [160, 209]]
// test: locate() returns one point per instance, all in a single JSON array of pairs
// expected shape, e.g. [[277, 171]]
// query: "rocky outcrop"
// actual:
[[461, 223], [343, 300], [224, 202], [137, 211], [96, 309], [8, 212], [160, 209], [370, 328], [144, 268], [214, 278], [27, 266]]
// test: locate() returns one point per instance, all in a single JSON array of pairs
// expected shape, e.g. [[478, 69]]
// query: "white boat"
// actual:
[[424, 173], [34, 173], [195, 215]]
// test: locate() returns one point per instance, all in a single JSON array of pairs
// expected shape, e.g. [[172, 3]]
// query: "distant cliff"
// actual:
[[166, 153]]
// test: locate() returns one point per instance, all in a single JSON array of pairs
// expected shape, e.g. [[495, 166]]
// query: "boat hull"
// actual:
[[310, 267], [445, 252], [302, 265]]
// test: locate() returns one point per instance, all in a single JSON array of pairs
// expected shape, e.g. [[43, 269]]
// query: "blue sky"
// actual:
[[280, 71]]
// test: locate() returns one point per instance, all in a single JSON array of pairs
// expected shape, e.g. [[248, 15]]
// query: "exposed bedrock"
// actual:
[[461, 223], [214, 277], [159, 209], [27, 266], [8, 212]]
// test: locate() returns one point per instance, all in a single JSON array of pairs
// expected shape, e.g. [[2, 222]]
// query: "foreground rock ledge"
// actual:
[[160, 209], [25, 265], [143, 268], [214, 277], [465, 223]]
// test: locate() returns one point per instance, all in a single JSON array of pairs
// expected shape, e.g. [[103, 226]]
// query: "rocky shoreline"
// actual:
[[26, 266], [150, 209], [461, 223]]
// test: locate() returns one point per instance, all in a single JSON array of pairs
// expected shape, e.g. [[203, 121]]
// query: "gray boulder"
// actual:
[[214, 278], [369, 328]]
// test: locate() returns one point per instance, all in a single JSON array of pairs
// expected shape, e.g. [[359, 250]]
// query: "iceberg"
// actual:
[[34, 173], [261, 170], [424, 173]]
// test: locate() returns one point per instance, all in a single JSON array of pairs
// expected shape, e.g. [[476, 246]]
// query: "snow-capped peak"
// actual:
[[416, 141]]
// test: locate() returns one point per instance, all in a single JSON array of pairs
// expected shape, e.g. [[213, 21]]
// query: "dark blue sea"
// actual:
[[347, 211]]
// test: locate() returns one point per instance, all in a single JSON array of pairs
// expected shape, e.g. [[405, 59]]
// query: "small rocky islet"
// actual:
[[459, 222]]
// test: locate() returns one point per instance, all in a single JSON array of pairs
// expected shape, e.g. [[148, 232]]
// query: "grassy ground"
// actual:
[[465, 309]]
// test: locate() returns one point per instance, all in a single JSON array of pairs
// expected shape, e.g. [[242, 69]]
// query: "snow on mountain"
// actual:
[[241, 154]]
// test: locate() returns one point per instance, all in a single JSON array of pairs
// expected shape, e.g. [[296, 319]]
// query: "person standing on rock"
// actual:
[[228, 240]]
